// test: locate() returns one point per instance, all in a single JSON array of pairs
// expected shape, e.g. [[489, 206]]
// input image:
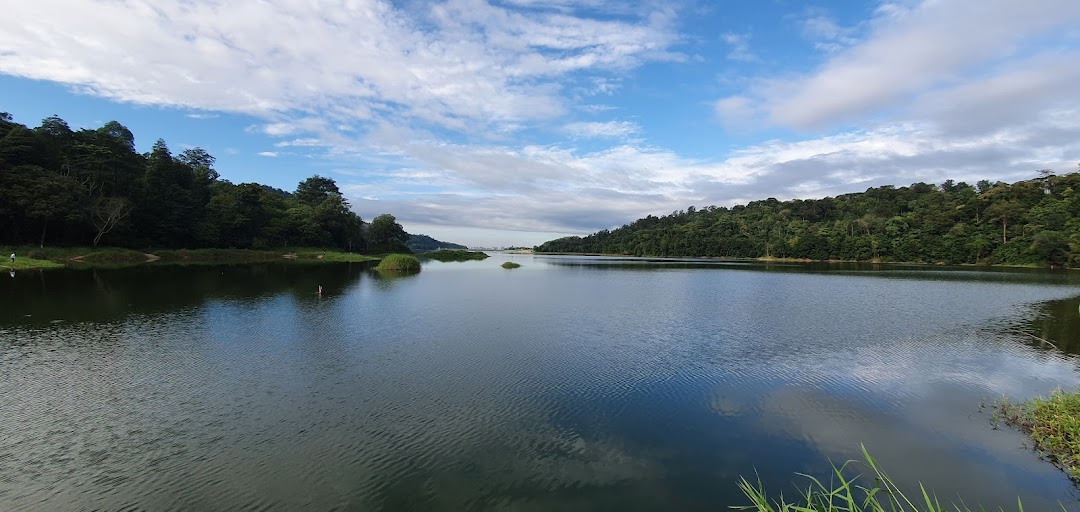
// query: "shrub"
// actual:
[[399, 263], [455, 255]]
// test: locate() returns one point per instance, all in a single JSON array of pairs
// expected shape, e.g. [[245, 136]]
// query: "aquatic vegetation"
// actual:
[[399, 263], [1053, 424], [455, 255], [846, 493], [510, 264]]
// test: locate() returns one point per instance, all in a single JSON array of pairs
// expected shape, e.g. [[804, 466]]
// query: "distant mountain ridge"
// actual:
[[424, 243]]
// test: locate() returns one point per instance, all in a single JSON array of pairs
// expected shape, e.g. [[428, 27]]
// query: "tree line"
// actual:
[[60, 186], [1030, 222]]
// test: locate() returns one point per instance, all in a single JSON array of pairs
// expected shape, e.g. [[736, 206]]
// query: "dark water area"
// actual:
[[571, 383]]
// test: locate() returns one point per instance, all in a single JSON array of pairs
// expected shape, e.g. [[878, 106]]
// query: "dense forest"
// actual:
[[1035, 222], [59, 186]]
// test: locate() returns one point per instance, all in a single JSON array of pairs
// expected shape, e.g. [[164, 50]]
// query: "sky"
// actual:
[[512, 122]]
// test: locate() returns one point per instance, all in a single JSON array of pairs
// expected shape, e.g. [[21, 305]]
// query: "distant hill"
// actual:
[[1031, 222], [424, 243]]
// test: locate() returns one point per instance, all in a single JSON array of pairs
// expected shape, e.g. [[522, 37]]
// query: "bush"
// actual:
[[455, 255], [399, 263], [510, 264]]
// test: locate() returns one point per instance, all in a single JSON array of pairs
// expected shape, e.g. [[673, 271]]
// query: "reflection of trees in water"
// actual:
[[110, 294], [384, 279], [1058, 321]]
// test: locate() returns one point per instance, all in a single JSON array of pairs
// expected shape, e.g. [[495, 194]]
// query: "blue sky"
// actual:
[[512, 122]]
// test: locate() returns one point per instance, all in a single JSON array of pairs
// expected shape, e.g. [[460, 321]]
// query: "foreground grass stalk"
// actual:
[[1053, 424], [845, 494]]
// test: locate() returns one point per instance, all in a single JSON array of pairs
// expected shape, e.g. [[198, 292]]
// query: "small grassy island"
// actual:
[[510, 264], [1052, 423], [455, 255], [399, 263]]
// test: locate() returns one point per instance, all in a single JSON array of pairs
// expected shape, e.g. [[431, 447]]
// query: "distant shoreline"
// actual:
[[801, 260]]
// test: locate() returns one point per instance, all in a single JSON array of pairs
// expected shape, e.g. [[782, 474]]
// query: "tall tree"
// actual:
[[385, 233]]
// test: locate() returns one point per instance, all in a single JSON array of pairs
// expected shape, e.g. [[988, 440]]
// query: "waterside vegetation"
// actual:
[[1053, 424], [847, 493], [398, 263], [1034, 222], [113, 257], [455, 255], [510, 264]]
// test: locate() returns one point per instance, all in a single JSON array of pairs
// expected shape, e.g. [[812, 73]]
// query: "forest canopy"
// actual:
[[1031, 222], [60, 186]]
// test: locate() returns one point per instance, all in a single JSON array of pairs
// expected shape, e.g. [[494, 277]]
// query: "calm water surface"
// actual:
[[567, 384]]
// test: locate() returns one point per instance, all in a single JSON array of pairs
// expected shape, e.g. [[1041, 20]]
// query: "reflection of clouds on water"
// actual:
[[835, 428], [928, 428], [982, 361]]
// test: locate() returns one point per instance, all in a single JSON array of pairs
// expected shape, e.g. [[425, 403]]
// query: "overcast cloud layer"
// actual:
[[498, 115]]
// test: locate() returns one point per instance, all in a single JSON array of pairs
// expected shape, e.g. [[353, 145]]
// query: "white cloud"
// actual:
[[463, 64], [737, 111], [826, 34], [300, 143], [914, 51], [268, 154], [563, 190], [739, 47], [610, 129]]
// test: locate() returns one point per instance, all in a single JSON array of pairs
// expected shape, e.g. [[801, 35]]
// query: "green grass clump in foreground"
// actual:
[[847, 494], [1052, 423], [399, 263], [510, 264], [455, 255]]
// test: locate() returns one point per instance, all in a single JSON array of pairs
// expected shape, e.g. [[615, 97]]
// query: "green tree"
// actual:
[[315, 189], [385, 233]]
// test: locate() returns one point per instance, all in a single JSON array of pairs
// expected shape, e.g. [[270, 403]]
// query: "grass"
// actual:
[[53, 257], [22, 263], [455, 255], [1053, 424], [399, 263], [510, 264], [846, 493]]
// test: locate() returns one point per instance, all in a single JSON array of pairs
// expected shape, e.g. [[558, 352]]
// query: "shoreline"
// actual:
[[765, 259], [30, 258]]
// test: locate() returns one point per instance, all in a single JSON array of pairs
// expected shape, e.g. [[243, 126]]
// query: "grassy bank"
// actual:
[[82, 257], [1053, 424], [876, 492], [510, 264]]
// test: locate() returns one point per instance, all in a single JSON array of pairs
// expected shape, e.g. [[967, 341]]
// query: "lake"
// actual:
[[571, 383]]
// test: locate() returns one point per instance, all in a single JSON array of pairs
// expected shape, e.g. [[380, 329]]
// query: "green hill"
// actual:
[[424, 243], [1031, 222]]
